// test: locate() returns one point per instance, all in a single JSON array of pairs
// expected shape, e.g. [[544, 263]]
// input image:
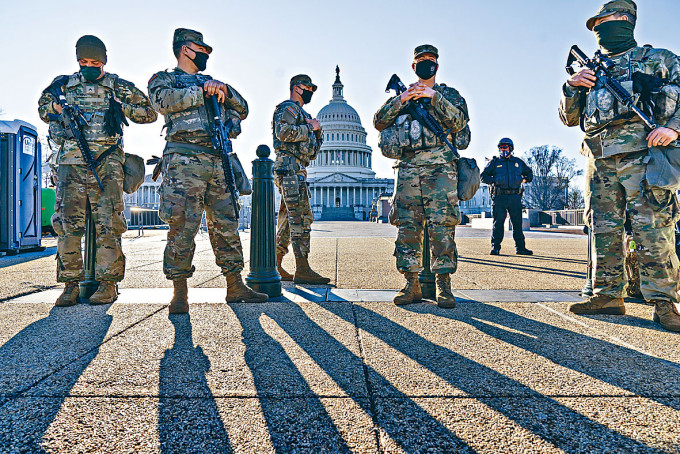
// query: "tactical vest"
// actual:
[[305, 151], [194, 119], [406, 136], [93, 101]]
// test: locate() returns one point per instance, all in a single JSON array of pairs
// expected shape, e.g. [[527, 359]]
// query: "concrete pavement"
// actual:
[[337, 369]]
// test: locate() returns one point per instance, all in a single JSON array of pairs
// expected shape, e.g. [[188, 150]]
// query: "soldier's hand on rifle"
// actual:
[[315, 124], [216, 88], [57, 108], [584, 78], [661, 137], [423, 91]]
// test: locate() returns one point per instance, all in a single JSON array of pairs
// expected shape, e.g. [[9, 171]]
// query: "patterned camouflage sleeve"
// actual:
[[386, 115], [45, 106], [165, 99], [672, 73], [570, 105], [285, 128], [237, 103], [451, 109], [136, 106]]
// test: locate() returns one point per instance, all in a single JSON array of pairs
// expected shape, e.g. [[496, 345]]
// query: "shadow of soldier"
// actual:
[[188, 418], [539, 414], [296, 417], [40, 366]]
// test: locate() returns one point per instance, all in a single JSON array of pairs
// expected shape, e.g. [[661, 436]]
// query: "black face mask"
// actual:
[[90, 73], [306, 95], [615, 36], [426, 69], [200, 60]]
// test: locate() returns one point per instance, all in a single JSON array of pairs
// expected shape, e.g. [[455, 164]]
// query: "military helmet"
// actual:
[[506, 141], [303, 79], [133, 173], [614, 6], [89, 46], [184, 34], [425, 49]]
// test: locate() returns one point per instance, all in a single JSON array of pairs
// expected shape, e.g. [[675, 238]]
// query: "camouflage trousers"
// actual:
[[295, 214], [426, 196], [612, 184], [75, 187], [193, 183]]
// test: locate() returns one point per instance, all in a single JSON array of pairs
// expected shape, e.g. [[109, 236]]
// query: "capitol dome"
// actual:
[[344, 139], [342, 184]]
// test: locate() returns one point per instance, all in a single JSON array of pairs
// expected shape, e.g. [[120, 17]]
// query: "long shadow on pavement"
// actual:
[[527, 268], [264, 355], [188, 418], [69, 336], [548, 420]]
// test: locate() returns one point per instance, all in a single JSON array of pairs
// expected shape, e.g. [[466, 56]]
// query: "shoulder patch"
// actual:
[[291, 110], [152, 78]]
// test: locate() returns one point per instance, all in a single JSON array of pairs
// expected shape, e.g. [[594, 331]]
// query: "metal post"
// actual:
[[426, 277], [263, 276], [588, 288], [90, 284]]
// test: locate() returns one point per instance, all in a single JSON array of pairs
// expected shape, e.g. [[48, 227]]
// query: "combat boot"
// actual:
[[599, 304], [524, 251], [179, 304], [69, 297], [411, 292], [238, 292], [106, 293], [445, 298], [306, 275], [666, 314], [285, 275]]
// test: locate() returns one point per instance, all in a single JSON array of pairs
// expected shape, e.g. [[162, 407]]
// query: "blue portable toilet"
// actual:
[[20, 181]]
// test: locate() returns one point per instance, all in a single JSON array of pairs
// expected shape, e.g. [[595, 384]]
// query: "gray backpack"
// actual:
[[469, 178], [663, 168]]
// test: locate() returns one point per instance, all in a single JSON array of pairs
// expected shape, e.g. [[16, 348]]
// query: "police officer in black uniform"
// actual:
[[505, 175]]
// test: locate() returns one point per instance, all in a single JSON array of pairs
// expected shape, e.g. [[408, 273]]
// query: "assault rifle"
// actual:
[[72, 119], [416, 108], [219, 135], [603, 65]]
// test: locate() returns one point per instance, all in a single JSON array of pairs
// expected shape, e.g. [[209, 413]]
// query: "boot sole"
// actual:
[[101, 303], [604, 311], [76, 302], [447, 305]]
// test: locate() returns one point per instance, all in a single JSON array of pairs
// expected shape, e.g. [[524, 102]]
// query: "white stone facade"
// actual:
[[342, 182]]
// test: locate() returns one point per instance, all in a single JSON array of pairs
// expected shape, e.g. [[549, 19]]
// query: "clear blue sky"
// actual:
[[505, 57]]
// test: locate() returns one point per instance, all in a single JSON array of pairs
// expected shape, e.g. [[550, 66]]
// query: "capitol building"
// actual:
[[341, 182]]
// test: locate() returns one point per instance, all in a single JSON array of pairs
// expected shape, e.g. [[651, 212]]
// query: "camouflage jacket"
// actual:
[[92, 99], [419, 145], [611, 128], [178, 96], [292, 134]]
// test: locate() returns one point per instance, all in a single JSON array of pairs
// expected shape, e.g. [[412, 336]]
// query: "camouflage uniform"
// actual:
[[296, 145], [616, 147], [426, 190], [193, 179], [76, 184]]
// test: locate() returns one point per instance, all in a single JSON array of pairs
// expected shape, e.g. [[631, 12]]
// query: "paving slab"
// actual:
[[532, 425], [500, 350], [37, 340], [268, 350], [207, 425]]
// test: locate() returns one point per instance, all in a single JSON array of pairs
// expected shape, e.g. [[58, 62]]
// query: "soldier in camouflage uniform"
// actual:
[[617, 144], [96, 94], [297, 139], [426, 190], [193, 179]]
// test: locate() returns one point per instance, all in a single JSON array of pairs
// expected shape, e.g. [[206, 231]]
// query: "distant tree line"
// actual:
[[552, 187]]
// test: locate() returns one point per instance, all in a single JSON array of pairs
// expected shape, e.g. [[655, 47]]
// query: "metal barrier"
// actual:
[[562, 217], [143, 218]]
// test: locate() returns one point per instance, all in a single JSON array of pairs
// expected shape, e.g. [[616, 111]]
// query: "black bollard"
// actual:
[[426, 277], [90, 284], [263, 276]]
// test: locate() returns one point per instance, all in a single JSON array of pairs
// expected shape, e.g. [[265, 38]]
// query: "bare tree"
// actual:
[[575, 200], [553, 173]]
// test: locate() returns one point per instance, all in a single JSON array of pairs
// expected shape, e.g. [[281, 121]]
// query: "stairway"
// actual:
[[337, 214]]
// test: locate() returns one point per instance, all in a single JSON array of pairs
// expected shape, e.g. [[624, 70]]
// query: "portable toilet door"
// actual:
[[20, 181]]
